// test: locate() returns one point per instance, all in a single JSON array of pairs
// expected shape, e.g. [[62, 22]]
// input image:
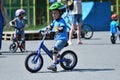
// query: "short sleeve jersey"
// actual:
[[113, 27], [19, 23], [63, 35]]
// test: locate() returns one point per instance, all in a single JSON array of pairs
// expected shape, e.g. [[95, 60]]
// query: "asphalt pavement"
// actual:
[[98, 59]]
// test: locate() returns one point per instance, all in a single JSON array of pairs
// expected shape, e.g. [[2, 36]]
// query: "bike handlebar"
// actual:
[[16, 27], [44, 33]]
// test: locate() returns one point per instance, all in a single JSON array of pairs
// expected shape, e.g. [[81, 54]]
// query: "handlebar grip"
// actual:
[[41, 31]]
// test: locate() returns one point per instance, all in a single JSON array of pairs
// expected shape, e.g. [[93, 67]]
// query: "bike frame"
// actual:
[[42, 46], [17, 40], [47, 51]]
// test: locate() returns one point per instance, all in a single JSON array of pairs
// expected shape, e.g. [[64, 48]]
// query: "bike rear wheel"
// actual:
[[113, 39], [69, 60], [13, 47], [33, 62], [87, 31]]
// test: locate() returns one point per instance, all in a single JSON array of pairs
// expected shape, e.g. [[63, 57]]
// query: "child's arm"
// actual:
[[12, 23], [50, 27]]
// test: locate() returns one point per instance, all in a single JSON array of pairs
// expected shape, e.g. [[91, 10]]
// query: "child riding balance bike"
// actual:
[[67, 59], [61, 35], [18, 24], [114, 29]]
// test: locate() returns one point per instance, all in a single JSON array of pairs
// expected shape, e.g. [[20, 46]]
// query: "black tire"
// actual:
[[13, 47], [31, 66], [87, 31], [72, 60], [113, 39]]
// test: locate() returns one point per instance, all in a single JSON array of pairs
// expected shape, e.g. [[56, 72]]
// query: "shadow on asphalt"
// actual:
[[16, 53], [2, 56], [101, 44], [20, 53], [94, 39], [79, 70], [87, 70]]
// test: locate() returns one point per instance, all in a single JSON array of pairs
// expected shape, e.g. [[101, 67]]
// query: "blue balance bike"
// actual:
[[34, 61]]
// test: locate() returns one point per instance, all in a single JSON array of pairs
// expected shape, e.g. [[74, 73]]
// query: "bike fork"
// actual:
[[36, 57]]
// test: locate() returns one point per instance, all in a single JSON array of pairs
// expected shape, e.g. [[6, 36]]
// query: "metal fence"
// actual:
[[37, 11]]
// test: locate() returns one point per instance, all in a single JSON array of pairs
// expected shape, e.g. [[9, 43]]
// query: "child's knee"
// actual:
[[55, 51], [23, 40]]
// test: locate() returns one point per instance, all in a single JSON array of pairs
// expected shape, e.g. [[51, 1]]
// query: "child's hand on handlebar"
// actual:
[[49, 28]]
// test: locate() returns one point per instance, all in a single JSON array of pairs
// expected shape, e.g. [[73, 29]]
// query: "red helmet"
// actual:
[[114, 16]]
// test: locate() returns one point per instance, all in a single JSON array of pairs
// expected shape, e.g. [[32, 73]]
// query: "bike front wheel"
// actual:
[[69, 60], [33, 62], [13, 47], [87, 31]]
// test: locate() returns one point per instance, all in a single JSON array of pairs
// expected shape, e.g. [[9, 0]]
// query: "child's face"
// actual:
[[21, 16], [55, 14]]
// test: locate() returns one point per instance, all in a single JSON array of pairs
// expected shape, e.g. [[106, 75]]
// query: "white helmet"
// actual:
[[19, 11]]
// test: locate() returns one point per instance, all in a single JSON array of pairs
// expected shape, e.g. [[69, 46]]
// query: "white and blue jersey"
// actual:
[[62, 35], [19, 24], [113, 27]]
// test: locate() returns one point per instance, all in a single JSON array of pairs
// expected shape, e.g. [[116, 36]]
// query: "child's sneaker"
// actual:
[[52, 67]]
